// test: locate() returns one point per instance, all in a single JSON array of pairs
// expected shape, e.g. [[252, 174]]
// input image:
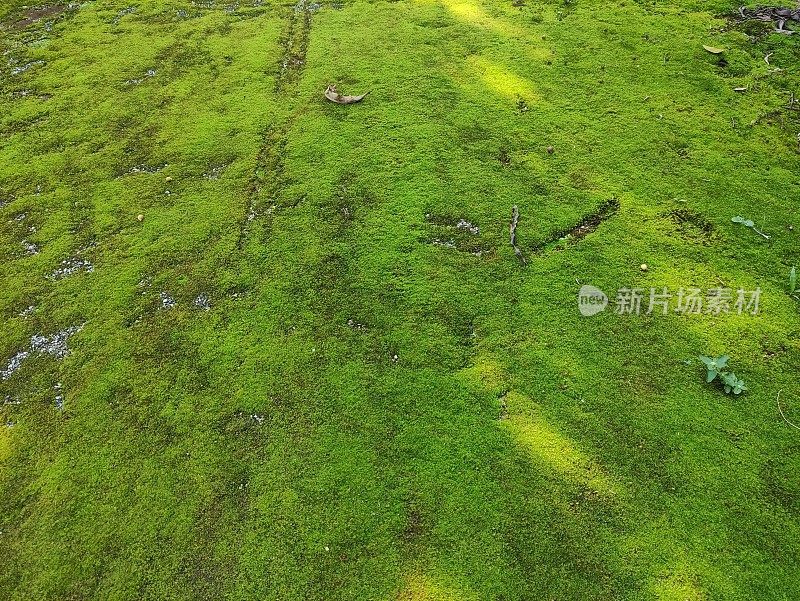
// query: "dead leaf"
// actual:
[[713, 50], [739, 89], [333, 95]]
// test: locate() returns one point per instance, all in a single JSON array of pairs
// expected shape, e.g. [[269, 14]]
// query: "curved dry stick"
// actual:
[[514, 221], [781, 412]]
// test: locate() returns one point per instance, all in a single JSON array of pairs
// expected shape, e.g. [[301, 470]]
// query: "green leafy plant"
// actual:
[[749, 223], [731, 383], [714, 365], [716, 368]]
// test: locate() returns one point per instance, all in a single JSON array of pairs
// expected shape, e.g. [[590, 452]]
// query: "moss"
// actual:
[[300, 376]]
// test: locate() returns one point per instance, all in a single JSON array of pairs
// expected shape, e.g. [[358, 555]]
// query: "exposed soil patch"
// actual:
[[295, 44], [32, 15], [582, 229], [55, 346], [18, 94], [202, 301], [591, 223], [454, 232], [215, 171], [166, 300], [267, 179], [137, 169], [692, 226], [354, 325], [123, 13], [69, 267], [18, 69], [503, 415], [30, 248]]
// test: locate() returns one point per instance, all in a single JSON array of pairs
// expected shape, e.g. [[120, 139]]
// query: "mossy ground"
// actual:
[[378, 404]]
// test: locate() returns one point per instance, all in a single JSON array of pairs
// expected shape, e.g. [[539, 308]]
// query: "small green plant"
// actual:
[[716, 368], [749, 223], [731, 383]]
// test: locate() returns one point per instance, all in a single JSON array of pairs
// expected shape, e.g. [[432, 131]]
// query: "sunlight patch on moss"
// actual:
[[501, 80], [678, 585], [473, 14], [486, 375], [548, 446], [5, 442], [421, 588]]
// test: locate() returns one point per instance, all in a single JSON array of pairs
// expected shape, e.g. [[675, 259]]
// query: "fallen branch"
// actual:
[[776, 15], [514, 221], [770, 13]]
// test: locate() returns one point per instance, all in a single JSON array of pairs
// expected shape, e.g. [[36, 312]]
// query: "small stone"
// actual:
[[643, 266], [550, 150], [168, 179], [140, 217]]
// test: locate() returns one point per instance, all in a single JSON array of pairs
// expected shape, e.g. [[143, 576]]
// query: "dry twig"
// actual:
[[514, 221]]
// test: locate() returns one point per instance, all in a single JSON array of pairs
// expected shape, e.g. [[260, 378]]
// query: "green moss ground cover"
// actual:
[[298, 378]]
